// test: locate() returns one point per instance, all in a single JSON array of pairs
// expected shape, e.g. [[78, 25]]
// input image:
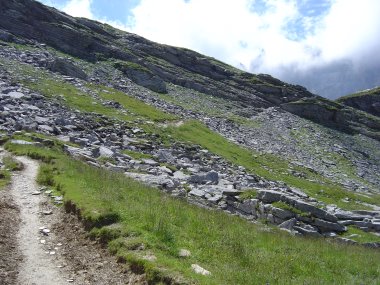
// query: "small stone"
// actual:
[[46, 213], [150, 257], [36, 193], [184, 253], [200, 270], [45, 231]]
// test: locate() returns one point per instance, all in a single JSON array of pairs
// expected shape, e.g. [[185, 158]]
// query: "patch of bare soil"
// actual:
[[10, 256], [86, 259]]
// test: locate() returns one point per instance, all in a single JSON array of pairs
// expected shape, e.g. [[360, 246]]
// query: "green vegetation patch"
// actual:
[[358, 235], [137, 155], [5, 178], [248, 194], [73, 97], [150, 223], [12, 164], [287, 207], [370, 92], [78, 98], [134, 106]]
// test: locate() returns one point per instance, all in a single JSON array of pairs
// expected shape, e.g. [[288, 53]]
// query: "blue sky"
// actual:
[[261, 36]]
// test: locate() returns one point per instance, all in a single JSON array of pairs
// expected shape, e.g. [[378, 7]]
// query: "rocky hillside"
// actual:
[[367, 101], [155, 66], [195, 127], [103, 109]]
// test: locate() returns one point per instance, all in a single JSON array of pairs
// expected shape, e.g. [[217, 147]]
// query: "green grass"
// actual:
[[360, 236], [268, 166], [9, 165], [248, 194], [234, 250], [131, 104], [74, 98], [5, 178], [12, 164], [284, 206], [370, 92], [137, 155], [80, 99]]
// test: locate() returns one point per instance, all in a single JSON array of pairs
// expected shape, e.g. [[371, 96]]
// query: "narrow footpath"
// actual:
[[42, 245]]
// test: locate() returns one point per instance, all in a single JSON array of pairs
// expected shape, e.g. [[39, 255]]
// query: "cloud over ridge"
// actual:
[[290, 39]]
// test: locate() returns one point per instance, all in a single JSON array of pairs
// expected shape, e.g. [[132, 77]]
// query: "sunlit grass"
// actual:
[[234, 250]]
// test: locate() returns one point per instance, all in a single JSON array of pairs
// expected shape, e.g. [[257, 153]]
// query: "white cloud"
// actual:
[[219, 28], [230, 31], [262, 41], [79, 8]]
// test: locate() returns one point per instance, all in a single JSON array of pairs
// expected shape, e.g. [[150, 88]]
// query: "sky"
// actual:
[[330, 46]]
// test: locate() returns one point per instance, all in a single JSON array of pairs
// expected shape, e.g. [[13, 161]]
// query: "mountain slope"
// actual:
[[153, 65], [367, 101], [196, 129]]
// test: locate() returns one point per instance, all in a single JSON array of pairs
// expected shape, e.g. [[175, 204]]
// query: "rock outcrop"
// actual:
[[367, 101]]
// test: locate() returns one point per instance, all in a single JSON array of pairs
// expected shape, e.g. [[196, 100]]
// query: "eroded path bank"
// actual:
[[41, 245]]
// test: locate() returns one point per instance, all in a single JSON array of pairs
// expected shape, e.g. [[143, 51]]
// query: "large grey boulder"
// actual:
[[248, 206], [211, 177], [142, 76], [269, 196], [102, 151], [288, 225], [65, 67], [325, 226], [309, 208], [307, 230], [282, 214]]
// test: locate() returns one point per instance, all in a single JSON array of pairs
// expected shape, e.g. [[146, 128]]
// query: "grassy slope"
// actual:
[[234, 250], [268, 166], [370, 92], [80, 99]]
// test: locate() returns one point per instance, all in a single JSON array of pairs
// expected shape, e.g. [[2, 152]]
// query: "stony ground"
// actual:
[[40, 244]]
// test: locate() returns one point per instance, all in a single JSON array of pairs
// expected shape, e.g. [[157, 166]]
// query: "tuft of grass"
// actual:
[[227, 246], [359, 235], [5, 178], [105, 159], [9, 164], [12, 164], [248, 194], [287, 207], [137, 155]]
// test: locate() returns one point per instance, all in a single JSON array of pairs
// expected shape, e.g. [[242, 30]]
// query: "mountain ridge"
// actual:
[[153, 65], [366, 100]]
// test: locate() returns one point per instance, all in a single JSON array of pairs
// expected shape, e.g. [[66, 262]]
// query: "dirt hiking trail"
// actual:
[[42, 245]]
